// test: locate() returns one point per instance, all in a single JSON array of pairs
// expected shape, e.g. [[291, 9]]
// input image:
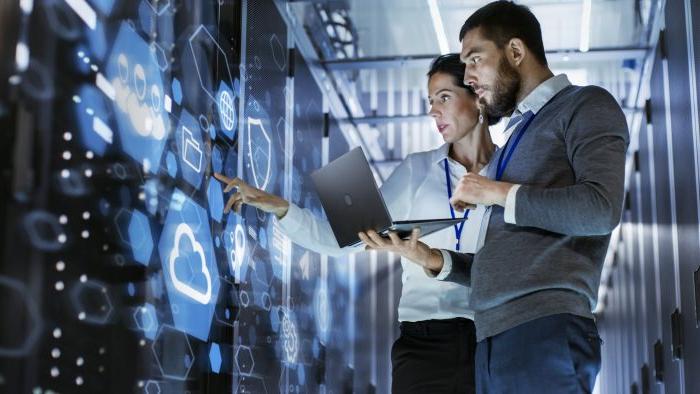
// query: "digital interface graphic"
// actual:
[[136, 279]]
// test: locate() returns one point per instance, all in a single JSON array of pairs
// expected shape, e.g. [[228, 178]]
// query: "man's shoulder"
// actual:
[[587, 93]]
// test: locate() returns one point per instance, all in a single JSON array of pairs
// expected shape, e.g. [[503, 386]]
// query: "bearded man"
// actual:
[[555, 191]]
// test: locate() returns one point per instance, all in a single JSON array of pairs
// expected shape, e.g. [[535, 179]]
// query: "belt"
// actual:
[[436, 327]]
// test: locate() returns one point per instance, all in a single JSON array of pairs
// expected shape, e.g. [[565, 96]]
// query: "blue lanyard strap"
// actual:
[[458, 229], [502, 164]]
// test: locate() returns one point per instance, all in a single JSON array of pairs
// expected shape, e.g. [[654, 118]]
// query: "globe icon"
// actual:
[[226, 110]]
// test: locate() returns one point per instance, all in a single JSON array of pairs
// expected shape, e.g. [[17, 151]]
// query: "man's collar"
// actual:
[[543, 93]]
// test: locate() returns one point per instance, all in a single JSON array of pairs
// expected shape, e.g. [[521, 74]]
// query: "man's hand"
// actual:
[[246, 194], [475, 189], [412, 249]]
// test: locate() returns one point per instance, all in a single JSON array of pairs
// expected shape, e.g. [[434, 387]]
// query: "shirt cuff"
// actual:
[[292, 220], [446, 267], [509, 214]]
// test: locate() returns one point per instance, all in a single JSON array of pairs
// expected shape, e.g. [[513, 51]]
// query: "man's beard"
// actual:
[[504, 93]]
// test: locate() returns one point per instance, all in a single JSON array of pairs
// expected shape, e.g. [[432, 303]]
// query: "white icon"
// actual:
[[123, 66], [259, 157], [189, 291], [323, 311], [226, 111], [140, 81], [289, 333], [238, 248], [155, 98], [191, 152], [304, 264], [144, 118]]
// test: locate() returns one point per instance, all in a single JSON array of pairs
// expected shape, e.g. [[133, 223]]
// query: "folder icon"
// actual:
[[191, 152]]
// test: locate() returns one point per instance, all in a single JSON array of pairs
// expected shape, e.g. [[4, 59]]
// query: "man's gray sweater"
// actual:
[[571, 165]]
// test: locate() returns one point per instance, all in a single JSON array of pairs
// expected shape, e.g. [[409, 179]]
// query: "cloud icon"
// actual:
[[189, 291], [145, 119]]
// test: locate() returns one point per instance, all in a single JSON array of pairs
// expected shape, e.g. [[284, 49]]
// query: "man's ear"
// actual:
[[516, 51]]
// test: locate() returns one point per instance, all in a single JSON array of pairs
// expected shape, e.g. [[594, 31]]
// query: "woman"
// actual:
[[435, 351]]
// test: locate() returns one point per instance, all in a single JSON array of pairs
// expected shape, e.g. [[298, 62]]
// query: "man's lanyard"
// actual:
[[458, 229], [503, 163]]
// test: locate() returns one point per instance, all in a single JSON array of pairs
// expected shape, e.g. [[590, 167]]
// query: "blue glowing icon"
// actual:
[[226, 105], [216, 200], [190, 147], [93, 119], [138, 97], [259, 152], [177, 91], [215, 357], [235, 241], [140, 237], [146, 320], [189, 266]]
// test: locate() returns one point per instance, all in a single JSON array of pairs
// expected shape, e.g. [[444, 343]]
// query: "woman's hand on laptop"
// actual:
[[412, 249], [246, 194]]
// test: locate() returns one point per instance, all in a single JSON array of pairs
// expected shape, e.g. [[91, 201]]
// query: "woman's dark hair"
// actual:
[[451, 65], [501, 21]]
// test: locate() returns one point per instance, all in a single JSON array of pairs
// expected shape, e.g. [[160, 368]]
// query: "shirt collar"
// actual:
[[543, 93], [441, 153]]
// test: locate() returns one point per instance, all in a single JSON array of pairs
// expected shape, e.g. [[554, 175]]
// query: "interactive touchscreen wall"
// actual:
[[120, 271]]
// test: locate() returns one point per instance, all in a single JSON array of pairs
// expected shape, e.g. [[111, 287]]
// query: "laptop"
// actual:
[[353, 203]]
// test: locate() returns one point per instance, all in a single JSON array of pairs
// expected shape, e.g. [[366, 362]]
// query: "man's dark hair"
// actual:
[[451, 65], [502, 20]]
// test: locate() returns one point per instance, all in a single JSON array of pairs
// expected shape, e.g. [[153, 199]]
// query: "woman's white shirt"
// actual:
[[417, 189]]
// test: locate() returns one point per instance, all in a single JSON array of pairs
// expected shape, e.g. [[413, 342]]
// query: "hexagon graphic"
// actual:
[[216, 200], [91, 302], [138, 87], [278, 52], [215, 357], [244, 360], [201, 296], [33, 326], [189, 266], [323, 312], [140, 237], [146, 320], [290, 339], [121, 222], [173, 353], [152, 387], [252, 384], [92, 116], [177, 91], [259, 152], [204, 47], [159, 56], [190, 148], [226, 106]]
